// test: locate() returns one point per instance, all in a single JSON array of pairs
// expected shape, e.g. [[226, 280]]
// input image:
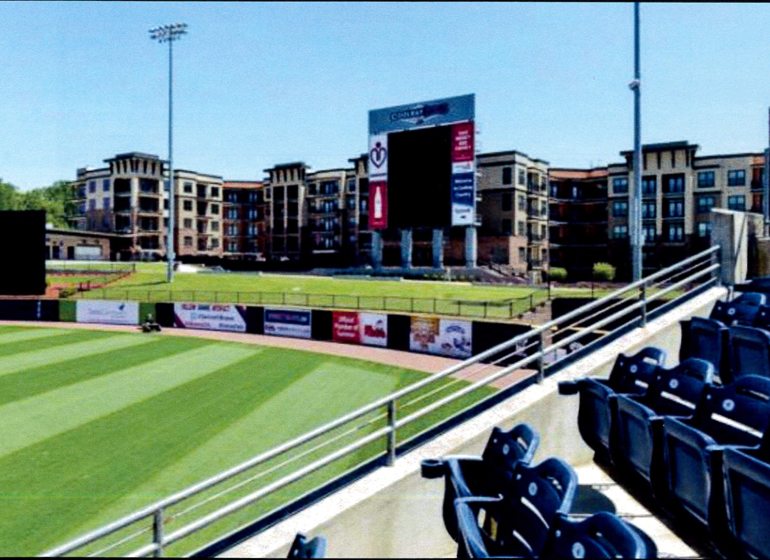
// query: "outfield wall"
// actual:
[[442, 336]]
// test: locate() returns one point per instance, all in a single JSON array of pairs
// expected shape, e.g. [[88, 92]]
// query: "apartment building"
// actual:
[[245, 219], [356, 213], [198, 213], [512, 207], [578, 219], [286, 190], [326, 216]]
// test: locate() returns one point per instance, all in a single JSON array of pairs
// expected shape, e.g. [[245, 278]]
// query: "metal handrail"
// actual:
[[156, 510]]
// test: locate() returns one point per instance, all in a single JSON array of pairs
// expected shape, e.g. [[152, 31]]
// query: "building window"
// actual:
[[522, 177], [215, 243], [188, 242], [704, 229], [619, 208], [648, 233], [649, 209], [507, 176], [106, 203], [522, 254], [649, 185], [187, 205], [522, 230], [673, 183], [620, 185], [620, 231], [674, 209], [736, 178], [92, 186], [215, 208], [214, 226], [705, 179], [92, 204], [507, 204], [188, 223], [506, 227], [106, 185], [522, 203], [215, 192], [705, 204], [187, 187], [737, 202], [675, 232]]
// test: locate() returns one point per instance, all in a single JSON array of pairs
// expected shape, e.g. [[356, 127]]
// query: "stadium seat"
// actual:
[[749, 352], [736, 414], [304, 548], [487, 475], [630, 374], [638, 419], [516, 523], [746, 474], [741, 311], [706, 339], [603, 535], [762, 320]]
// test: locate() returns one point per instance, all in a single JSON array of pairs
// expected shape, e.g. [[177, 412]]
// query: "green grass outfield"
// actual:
[[98, 424]]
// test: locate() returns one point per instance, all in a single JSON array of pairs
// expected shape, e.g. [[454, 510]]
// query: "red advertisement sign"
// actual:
[[378, 205], [462, 142], [345, 327]]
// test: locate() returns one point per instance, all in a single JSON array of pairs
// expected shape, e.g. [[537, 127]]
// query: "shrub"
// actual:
[[558, 274], [604, 272]]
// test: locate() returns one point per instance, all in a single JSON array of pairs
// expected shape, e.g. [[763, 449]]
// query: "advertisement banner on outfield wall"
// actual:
[[108, 312], [351, 327], [210, 316], [288, 322], [445, 337]]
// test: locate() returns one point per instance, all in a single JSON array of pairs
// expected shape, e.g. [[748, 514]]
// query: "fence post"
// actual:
[[486, 309], [643, 294], [157, 532], [412, 304], [391, 449], [531, 301], [541, 361], [283, 294], [510, 313], [358, 302]]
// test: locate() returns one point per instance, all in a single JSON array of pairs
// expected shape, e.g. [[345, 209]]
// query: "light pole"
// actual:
[[169, 34], [637, 239]]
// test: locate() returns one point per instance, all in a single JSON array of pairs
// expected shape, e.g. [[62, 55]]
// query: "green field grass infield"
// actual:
[[100, 424]]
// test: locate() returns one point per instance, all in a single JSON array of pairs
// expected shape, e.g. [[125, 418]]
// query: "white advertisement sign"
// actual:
[[445, 337], [107, 312], [374, 329], [288, 322], [378, 157], [210, 316]]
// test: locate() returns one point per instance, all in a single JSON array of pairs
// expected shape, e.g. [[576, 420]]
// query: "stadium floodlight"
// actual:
[[169, 34]]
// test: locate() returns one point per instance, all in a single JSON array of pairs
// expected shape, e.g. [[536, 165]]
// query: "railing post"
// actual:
[[157, 532], [540, 361], [643, 294], [391, 458]]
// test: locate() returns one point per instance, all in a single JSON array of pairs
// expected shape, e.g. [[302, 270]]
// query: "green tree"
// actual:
[[9, 196]]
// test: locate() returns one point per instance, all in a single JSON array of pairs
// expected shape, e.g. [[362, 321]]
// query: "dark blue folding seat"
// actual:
[[487, 475], [762, 320], [630, 374], [706, 339], [735, 414], [746, 474], [749, 352], [518, 522], [639, 418], [740, 311], [603, 535], [304, 548]]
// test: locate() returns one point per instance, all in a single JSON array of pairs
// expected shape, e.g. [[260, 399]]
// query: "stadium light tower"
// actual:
[[169, 34], [637, 238]]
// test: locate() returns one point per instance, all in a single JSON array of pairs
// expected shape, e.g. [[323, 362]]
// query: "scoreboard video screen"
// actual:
[[422, 165], [23, 235]]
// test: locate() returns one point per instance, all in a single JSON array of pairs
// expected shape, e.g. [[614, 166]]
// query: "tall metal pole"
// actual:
[[766, 185], [637, 239], [169, 34]]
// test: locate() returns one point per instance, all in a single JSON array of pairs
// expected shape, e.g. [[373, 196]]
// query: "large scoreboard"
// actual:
[[23, 236], [422, 165]]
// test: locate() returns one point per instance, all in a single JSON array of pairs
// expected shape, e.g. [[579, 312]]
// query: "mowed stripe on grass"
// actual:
[[92, 436], [20, 334]]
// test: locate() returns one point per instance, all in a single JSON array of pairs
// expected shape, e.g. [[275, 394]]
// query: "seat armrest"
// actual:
[[432, 468], [466, 510], [569, 387]]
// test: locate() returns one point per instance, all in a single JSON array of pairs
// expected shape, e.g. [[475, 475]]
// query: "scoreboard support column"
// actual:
[[438, 248], [406, 248], [377, 250], [471, 247]]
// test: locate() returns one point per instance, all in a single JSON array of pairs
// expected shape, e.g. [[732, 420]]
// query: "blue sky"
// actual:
[[264, 83]]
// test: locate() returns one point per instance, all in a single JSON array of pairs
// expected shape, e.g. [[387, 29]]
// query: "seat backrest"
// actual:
[[304, 548], [705, 339], [741, 311], [536, 495], [735, 414], [603, 535], [677, 391], [633, 374], [749, 351], [762, 320], [505, 449]]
